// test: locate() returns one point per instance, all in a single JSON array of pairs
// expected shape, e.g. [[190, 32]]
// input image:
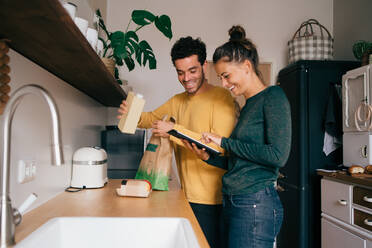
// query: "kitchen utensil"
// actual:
[[89, 168]]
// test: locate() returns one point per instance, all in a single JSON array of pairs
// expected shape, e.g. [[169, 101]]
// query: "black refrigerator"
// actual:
[[308, 86]]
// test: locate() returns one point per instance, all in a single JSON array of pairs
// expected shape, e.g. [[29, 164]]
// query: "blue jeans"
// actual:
[[252, 220]]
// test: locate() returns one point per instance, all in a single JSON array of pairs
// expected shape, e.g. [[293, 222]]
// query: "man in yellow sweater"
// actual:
[[201, 108]]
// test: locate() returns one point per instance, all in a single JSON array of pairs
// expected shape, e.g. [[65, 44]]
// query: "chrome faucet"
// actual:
[[10, 217]]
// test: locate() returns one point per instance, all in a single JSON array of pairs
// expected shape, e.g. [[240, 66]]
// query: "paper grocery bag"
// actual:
[[156, 162]]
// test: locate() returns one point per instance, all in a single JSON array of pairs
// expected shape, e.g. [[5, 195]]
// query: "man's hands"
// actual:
[[123, 109], [161, 128], [200, 153]]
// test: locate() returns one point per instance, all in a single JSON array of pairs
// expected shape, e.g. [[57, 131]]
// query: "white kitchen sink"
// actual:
[[113, 232]]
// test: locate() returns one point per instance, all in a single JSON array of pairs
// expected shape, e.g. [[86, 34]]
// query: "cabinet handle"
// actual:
[[342, 202], [367, 199], [368, 222], [364, 151]]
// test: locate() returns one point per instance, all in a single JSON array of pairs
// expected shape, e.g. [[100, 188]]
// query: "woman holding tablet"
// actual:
[[258, 146]]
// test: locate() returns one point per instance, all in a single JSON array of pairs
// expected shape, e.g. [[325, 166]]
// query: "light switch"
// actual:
[[26, 170]]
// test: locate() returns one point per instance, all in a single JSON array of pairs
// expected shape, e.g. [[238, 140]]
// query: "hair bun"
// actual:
[[237, 33]]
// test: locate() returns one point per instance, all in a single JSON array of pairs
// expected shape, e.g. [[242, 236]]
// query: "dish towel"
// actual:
[[333, 121]]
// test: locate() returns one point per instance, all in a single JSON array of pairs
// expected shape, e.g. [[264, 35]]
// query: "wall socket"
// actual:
[[26, 170]]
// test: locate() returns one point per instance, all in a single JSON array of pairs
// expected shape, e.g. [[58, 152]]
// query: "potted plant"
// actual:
[[126, 48], [362, 50]]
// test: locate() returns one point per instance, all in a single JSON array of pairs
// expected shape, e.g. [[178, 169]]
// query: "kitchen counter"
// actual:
[[362, 179], [345, 209], [104, 202]]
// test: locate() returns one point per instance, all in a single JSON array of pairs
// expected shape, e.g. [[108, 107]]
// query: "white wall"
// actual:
[[269, 23], [352, 22], [82, 119]]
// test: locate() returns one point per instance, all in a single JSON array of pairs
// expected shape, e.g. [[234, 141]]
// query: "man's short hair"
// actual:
[[186, 47]]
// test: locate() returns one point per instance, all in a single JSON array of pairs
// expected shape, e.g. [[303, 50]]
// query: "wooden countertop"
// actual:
[[362, 179], [104, 202]]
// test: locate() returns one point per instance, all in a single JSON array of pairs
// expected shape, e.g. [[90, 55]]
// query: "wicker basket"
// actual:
[[306, 45]]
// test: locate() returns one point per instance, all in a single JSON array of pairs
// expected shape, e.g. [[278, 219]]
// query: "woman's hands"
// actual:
[[211, 137], [206, 138]]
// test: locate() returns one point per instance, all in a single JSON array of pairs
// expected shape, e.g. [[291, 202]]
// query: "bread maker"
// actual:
[[89, 168]]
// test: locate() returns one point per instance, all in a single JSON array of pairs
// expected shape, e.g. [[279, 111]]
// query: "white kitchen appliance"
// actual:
[[89, 168], [357, 116]]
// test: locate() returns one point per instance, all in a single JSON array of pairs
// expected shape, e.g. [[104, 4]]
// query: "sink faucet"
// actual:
[[10, 216]]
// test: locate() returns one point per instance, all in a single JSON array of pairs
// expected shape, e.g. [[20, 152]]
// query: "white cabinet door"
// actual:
[[336, 237], [336, 200], [357, 148], [356, 88]]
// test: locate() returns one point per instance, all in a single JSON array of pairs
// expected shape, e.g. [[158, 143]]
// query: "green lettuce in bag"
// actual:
[[156, 163]]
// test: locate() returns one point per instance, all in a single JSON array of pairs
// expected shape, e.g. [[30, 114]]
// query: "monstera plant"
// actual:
[[124, 47]]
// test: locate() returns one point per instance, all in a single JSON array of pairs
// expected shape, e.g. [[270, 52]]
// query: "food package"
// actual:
[[156, 163], [135, 188]]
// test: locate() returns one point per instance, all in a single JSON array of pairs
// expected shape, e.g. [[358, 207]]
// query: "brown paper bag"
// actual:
[[156, 162]]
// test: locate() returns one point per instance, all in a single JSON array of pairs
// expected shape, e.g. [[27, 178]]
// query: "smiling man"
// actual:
[[201, 108]]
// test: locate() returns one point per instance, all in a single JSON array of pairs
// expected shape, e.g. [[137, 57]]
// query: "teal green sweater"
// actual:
[[259, 145]]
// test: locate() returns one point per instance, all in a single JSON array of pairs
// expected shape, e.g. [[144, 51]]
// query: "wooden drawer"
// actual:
[[334, 236], [362, 196], [336, 199], [363, 219]]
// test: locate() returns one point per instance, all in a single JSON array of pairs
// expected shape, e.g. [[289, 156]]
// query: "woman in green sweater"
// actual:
[[258, 146]]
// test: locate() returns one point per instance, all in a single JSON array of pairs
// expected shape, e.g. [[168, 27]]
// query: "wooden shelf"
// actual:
[[42, 31]]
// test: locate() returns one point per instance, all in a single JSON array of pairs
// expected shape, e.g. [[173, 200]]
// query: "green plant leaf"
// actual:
[[120, 52], [360, 47], [130, 42], [124, 45], [143, 49], [116, 75], [142, 17], [118, 61], [129, 62], [117, 39], [144, 53], [163, 23], [152, 63], [101, 23], [103, 42]]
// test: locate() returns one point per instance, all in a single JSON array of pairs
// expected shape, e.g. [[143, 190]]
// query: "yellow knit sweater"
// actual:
[[211, 111]]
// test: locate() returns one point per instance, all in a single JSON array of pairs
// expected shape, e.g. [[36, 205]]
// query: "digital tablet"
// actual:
[[199, 144]]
